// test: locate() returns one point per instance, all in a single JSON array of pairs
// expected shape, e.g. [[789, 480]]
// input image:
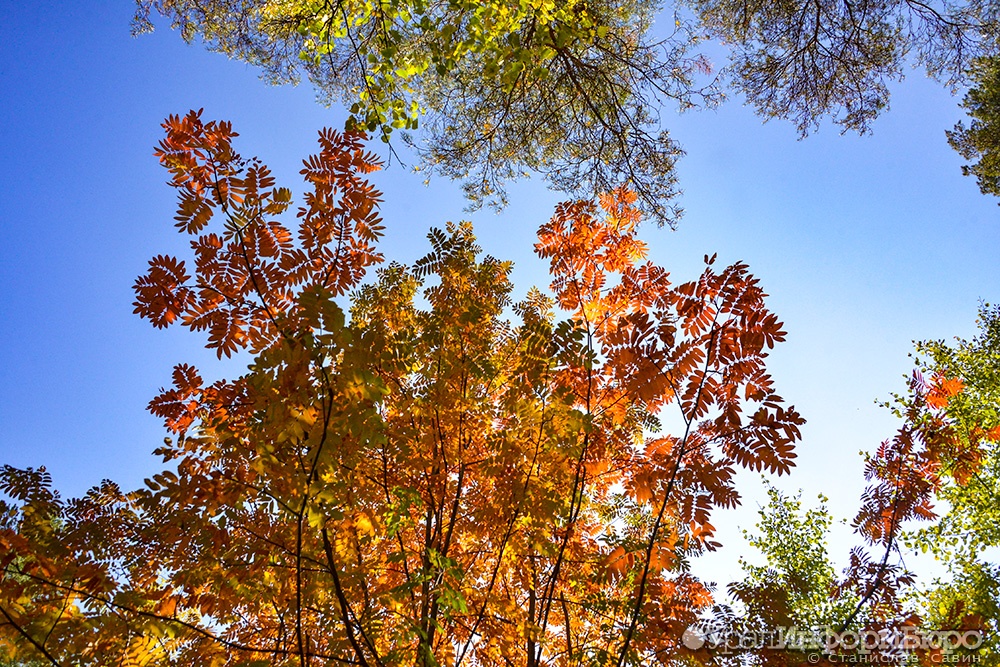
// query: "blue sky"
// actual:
[[864, 243]]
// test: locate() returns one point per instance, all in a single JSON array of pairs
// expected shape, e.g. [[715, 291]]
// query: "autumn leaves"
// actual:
[[407, 485], [439, 485], [457, 479]]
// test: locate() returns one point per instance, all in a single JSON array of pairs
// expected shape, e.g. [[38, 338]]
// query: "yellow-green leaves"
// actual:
[[498, 88]]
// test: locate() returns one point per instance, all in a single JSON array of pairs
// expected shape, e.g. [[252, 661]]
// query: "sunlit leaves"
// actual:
[[962, 395], [163, 294], [428, 480], [247, 276], [499, 88]]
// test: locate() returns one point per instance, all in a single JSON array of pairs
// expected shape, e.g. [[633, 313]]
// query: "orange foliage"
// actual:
[[406, 485]]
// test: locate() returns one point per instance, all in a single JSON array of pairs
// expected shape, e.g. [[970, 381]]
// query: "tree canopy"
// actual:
[[416, 469], [568, 89], [980, 139], [807, 60], [400, 484], [576, 90]]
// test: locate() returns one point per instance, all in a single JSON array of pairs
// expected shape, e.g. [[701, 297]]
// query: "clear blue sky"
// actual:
[[864, 243]]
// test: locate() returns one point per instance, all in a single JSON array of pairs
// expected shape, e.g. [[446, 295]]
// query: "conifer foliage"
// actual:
[[412, 482]]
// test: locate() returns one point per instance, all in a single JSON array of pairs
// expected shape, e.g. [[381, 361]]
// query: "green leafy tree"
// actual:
[[501, 88], [965, 381], [808, 60], [782, 611], [794, 587], [574, 90], [980, 139]]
